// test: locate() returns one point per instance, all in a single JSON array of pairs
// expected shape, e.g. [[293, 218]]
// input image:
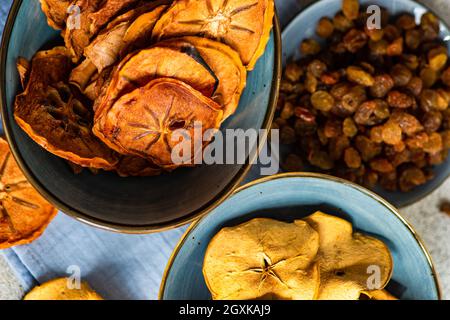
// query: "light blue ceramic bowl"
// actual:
[[303, 26], [293, 196], [133, 205]]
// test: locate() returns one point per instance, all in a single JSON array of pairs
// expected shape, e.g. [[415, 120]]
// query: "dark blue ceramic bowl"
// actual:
[[132, 205], [294, 196], [303, 26]]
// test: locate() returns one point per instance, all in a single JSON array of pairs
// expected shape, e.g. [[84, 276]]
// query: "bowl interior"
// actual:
[[303, 26], [127, 203], [290, 197]]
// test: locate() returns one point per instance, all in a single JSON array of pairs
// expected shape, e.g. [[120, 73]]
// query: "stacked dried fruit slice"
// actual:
[[143, 70], [242, 24], [54, 117], [319, 257], [24, 214]]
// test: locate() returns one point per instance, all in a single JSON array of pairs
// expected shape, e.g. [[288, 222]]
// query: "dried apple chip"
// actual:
[[242, 24], [24, 214], [377, 295], [226, 65], [347, 259], [143, 122], [55, 118], [263, 259], [61, 289]]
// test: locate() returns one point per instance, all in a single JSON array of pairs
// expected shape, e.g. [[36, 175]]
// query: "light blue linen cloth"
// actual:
[[117, 266]]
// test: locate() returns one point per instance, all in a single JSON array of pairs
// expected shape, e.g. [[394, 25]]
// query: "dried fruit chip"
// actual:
[[226, 66], [344, 258], [143, 122], [24, 214], [377, 295], [242, 24], [54, 118], [56, 12], [60, 289], [263, 259]]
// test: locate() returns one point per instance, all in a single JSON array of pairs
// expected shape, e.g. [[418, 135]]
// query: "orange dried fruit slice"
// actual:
[[226, 65], [159, 61], [56, 12], [244, 25], [55, 118], [62, 289], [24, 214], [93, 16], [143, 122]]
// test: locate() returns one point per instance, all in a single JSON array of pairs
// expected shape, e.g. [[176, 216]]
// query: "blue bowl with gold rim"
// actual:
[[288, 197]]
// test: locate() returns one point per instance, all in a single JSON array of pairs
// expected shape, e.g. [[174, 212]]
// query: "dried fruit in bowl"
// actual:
[[138, 68], [143, 122], [50, 113], [56, 12], [347, 258], [24, 214], [224, 63], [93, 16], [60, 289], [263, 259], [244, 25]]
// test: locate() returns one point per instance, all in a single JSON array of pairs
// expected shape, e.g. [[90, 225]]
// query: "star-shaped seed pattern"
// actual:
[[221, 20]]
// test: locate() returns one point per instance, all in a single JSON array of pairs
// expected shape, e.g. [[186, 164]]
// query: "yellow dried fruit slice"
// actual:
[[226, 65], [378, 295], [244, 25], [143, 122], [55, 118], [263, 259], [24, 214], [62, 289], [349, 262]]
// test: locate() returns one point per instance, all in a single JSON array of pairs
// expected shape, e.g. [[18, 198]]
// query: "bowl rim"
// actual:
[[318, 176], [123, 228], [295, 20]]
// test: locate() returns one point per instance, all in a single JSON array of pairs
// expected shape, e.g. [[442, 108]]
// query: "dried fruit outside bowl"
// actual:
[[303, 27], [128, 205]]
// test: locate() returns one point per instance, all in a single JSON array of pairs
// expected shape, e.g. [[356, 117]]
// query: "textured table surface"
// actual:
[[432, 225]]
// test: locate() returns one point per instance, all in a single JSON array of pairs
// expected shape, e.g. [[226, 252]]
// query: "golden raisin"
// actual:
[[310, 47], [352, 158], [341, 22], [437, 58], [325, 28], [397, 99], [358, 75], [350, 8], [395, 48], [392, 133], [322, 100], [381, 165], [349, 128]]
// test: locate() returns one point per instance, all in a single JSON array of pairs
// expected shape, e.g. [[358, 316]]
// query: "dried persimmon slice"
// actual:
[[55, 118], [226, 65], [56, 12], [60, 289], [242, 24], [181, 63], [143, 122], [24, 214]]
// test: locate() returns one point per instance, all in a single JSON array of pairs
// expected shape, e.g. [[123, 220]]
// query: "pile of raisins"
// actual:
[[369, 105]]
